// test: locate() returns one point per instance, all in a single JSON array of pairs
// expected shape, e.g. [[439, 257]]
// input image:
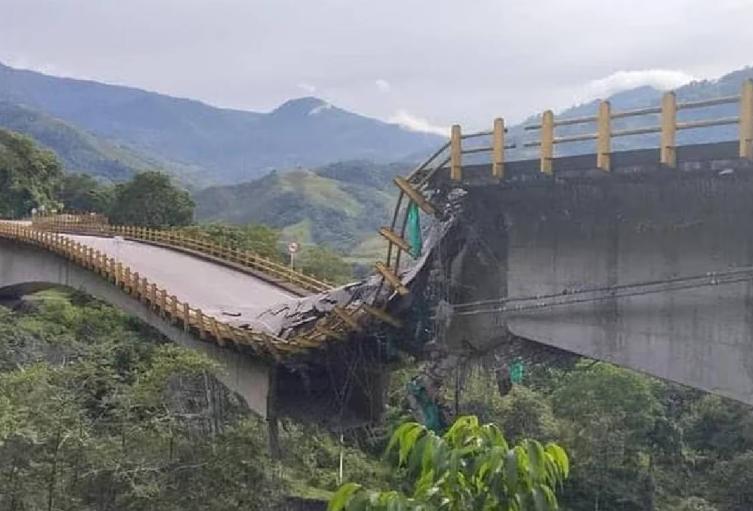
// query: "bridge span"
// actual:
[[225, 303]]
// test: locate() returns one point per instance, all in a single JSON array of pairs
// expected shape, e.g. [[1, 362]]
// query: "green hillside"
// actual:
[[80, 151], [340, 205]]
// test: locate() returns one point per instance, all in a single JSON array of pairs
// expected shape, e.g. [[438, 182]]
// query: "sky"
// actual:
[[425, 64]]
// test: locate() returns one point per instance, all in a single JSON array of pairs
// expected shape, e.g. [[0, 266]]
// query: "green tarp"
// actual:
[[414, 230], [429, 409], [517, 370]]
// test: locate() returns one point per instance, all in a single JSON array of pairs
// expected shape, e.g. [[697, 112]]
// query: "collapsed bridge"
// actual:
[[641, 258]]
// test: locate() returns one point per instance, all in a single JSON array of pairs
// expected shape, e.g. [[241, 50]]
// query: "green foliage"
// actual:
[[471, 467], [81, 193], [151, 200], [28, 175], [717, 425], [338, 206], [733, 483], [326, 264], [696, 504], [81, 151], [608, 417], [97, 412], [256, 238]]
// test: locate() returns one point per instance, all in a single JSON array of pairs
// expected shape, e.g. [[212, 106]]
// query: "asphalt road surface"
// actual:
[[219, 291]]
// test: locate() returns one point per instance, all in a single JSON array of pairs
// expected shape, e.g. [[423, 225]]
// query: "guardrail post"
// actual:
[[604, 137], [668, 153], [547, 142], [498, 149], [456, 156], [746, 120]]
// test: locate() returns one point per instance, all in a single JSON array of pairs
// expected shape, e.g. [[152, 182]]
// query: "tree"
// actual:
[[82, 193], [471, 467], [609, 416], [256, 238], [28, 175], [325, 264], [151, 200], [733, 486]]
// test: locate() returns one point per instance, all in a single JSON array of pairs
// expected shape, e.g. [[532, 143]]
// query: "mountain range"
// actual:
[[198, 142], [277, 168]]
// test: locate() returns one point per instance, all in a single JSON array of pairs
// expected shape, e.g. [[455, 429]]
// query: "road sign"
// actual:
[[293, 247]]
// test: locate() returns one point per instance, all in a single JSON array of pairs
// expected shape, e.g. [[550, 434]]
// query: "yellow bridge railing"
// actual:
[[168, 306], [334, 325], [667, 129], [98, 225]]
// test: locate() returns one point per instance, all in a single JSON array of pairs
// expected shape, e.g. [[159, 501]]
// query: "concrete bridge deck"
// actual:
[[219, 291]]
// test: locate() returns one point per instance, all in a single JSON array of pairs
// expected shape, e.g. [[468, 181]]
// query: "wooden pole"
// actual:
[[668, 153], [456, 157], [498, 149], [604, 137], [547, 142], [746, 120]]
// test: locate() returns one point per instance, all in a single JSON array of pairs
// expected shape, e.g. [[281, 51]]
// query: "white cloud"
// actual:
[[662, 79], [413, 123], [309, 88], [383, 85]]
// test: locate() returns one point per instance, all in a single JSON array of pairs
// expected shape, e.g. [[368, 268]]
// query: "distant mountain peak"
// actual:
[[224, 145], [308, 105]]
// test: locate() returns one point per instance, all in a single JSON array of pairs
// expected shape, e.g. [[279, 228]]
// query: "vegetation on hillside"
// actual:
[[99, 412], [28, 175], [81, 151], [339, 205], [81, 193], [150, 199]]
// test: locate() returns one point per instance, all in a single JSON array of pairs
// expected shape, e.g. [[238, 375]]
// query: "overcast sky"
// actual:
[[419, 62]]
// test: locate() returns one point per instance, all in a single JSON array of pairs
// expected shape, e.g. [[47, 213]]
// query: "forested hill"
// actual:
[[340, 205], [230, 145], [80, 151]]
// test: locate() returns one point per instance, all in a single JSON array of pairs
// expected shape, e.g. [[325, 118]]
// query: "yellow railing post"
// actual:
[[456, 157], [547, 142], [668, 153], [746, 120], [498, 149], [604, 137]]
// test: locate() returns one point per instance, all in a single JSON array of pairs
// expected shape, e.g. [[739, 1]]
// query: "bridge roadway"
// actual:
[[227, 294]]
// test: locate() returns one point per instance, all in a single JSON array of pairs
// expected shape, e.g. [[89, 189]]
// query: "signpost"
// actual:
[[292, 249]]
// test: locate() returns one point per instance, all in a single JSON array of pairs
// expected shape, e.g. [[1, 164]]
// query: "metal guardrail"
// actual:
[[98, 225]]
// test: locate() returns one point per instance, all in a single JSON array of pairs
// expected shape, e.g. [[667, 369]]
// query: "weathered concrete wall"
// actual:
[[589, 230], [24, 268]]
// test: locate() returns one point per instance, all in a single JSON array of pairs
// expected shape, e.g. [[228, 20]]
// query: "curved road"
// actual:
[[219, 291]]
